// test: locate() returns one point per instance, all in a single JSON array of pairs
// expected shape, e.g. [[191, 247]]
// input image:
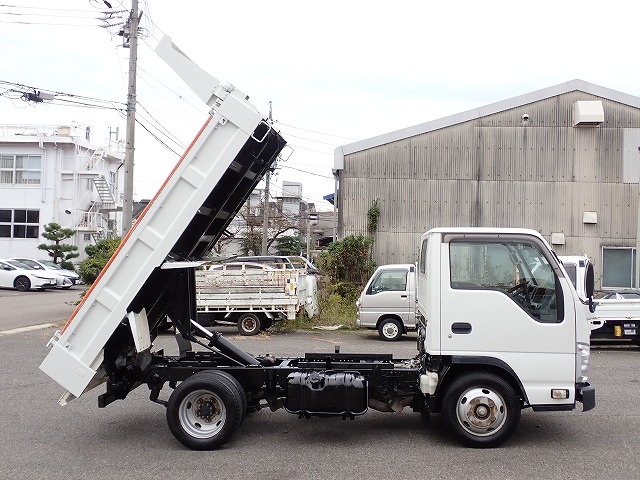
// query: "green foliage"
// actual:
[[348, 260], [333, 309], [68, 265], [55, 233], [252, 244], [288, 245], [346, 290], [98, 256], [373, 215]]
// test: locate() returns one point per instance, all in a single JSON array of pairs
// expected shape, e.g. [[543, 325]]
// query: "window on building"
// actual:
[[113, 181], [19, 223], [20, 169], [618, 267]]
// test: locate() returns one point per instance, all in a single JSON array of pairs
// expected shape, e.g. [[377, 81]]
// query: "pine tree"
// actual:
[[59, 251]]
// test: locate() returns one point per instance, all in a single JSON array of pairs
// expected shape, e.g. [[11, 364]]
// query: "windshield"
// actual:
[[21, 265], [50, 264]]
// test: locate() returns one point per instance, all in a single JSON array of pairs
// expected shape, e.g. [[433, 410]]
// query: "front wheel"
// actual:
[[22, 284], [249, 324], [390, 329], [481, 409], [205, 410]]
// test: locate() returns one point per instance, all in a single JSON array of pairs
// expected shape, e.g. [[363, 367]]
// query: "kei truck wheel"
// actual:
[[205, 410], [481, 409], [390, 329], [249, 324]]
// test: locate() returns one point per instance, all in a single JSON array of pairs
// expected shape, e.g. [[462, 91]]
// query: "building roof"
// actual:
[[475, 113]]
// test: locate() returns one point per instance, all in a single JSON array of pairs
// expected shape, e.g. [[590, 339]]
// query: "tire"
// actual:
[[205, 410], [22, 284], [390, 329], [241, 393], [249, 324], [481, 409]]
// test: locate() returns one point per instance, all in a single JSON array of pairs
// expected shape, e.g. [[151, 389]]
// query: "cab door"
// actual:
[[502, 301]]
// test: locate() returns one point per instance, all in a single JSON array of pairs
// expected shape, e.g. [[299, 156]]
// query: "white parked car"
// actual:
[[14, 274], [66, 278]]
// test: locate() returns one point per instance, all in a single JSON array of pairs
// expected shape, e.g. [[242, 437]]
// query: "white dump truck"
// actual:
[[497, 336]]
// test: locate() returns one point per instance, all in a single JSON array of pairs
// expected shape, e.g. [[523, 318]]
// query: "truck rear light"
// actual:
[[617, 331]]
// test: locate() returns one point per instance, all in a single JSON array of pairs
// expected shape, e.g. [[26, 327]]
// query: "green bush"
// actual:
[[99, 255], [336, 306]]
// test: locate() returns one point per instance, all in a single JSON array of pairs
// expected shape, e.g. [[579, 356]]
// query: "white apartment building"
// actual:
[[55, 174]]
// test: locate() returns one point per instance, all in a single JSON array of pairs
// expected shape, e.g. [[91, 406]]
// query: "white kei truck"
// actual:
[[387, 302], [495, 337]]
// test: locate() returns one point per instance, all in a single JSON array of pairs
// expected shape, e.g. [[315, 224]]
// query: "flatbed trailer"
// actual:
[[486, 349]]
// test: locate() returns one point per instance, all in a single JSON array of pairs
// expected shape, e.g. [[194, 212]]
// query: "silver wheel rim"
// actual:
[[248, 324], [390, 330], [202, 414], [481, 411]]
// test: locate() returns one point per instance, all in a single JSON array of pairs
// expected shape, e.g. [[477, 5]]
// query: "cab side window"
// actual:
[[517, 268], [389, 280]]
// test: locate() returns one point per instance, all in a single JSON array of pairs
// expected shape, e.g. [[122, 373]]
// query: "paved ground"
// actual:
[[130, 438]]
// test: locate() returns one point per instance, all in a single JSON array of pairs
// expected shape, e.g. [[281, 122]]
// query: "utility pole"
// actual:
[[127, 206], [265, 217]]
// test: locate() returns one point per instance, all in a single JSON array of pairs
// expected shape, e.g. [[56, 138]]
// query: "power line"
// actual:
[[44, 8], [313, 131], [304, 171]]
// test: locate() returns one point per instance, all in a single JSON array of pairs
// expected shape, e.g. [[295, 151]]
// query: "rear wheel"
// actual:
[[390, 329], [481, 409], [249, 324], [22, 284], [205, 410]]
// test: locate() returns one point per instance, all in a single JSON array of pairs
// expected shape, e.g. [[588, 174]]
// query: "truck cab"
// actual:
[[388, 301], [497, 309]]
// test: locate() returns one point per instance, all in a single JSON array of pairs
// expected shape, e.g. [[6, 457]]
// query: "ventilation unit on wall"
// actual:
[[588, 113]]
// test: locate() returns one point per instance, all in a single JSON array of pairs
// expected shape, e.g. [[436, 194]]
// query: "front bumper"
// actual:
[[586, 394]]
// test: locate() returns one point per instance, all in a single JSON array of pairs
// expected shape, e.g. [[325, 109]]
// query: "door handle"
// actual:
[[403, 296], [461, 327]]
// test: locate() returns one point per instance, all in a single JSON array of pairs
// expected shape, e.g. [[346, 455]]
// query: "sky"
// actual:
[[333, 72]]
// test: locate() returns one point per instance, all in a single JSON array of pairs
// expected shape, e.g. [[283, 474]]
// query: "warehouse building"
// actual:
[[564, 161]]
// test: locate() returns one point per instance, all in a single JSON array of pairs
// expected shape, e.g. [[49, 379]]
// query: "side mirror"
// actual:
[[589, 281]]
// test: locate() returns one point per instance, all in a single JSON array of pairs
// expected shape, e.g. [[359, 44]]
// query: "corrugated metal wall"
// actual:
[[500, 171]]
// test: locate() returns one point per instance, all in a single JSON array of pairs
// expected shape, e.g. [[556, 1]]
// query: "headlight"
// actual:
[[583, 358]]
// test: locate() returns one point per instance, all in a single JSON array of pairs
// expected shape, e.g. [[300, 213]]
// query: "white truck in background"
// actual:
[[388, 301], [252, 296], [614, 318], [495, 337]]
